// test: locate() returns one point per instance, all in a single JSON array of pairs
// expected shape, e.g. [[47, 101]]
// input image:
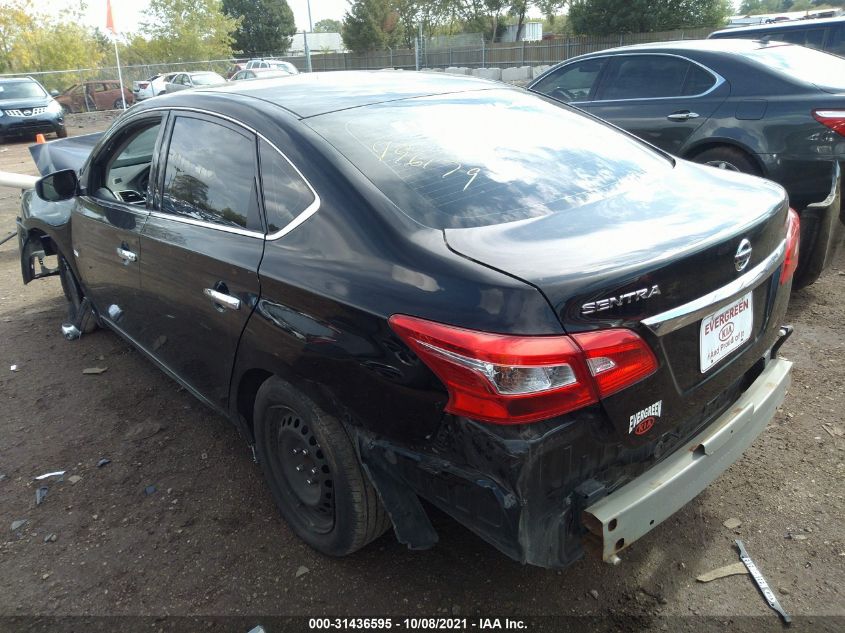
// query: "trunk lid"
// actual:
[[640, 258]]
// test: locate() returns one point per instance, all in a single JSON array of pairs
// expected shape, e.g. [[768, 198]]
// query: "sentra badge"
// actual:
[[620, 300], [642, 421]]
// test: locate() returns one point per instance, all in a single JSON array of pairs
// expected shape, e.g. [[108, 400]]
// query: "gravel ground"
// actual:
[[209, 542]]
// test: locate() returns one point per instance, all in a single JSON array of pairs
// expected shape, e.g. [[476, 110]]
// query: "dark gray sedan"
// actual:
[[768, 109]]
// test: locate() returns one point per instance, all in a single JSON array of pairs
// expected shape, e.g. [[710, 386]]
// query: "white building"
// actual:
[[531, 32], [318, 43]]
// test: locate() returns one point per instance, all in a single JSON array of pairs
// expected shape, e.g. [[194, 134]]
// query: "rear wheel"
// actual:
[[728, 158], [61, 132], [118, 104], [313, 472], [74, 295]]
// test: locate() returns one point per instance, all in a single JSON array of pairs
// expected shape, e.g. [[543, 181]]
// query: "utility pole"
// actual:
[[310, 25]]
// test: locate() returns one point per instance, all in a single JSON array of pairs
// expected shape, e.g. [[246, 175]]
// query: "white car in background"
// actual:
[[275, 64], [199, 79], [152, 87]]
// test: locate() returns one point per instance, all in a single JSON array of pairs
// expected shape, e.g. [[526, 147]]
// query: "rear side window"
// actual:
[[574, 82], [698, 81], [488, 156], [645, 77], [286, 194], [210, 173]]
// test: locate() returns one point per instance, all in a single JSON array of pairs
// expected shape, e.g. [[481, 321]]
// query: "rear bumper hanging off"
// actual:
[[625, 515]]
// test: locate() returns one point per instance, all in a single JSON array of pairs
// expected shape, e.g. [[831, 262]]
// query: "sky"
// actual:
[[128, 13]]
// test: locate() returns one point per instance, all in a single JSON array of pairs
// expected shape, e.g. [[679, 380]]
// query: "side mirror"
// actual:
[[54, 93], [60, 185]]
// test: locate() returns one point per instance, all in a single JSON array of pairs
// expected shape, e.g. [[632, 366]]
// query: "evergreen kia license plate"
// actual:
[[725, 331]]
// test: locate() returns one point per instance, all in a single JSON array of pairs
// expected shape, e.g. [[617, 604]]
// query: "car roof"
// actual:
[[312, 94], [788, 25], [16, 79], [726, 45]]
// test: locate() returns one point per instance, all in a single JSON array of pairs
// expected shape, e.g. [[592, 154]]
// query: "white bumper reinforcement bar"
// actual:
[[625, 515]]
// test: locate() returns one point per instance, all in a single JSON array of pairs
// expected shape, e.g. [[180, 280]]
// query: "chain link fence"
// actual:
[[470, 51]]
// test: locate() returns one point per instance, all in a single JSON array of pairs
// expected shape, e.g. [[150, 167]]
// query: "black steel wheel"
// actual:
[[300, 466], [313, 471]]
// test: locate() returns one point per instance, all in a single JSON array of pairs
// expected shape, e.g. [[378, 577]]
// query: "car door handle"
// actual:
[[222, 299], [683, 116], [126, 255]]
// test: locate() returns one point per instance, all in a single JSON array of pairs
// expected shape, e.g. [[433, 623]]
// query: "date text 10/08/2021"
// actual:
[[417, 624]]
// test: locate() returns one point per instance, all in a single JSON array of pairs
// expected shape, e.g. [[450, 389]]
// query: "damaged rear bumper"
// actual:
[[617, 520], [544, 494]]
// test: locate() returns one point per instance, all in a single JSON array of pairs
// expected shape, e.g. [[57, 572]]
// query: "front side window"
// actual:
[[574, 82], [285, 193], [645, 77], [122, 172], [210, 173]]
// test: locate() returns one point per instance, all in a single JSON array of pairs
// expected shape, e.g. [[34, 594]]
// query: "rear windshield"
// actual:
[[20, 90], [803, 64], [487, 157]]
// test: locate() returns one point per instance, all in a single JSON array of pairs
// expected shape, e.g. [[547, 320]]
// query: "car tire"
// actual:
[[118, 104], [728, 158], [61, 132], [74, 295], [313, 472]]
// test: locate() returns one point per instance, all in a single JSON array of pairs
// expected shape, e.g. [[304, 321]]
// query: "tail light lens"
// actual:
[[508, 379], [616, 359], [834, 119], [142, 85], [793, 238]]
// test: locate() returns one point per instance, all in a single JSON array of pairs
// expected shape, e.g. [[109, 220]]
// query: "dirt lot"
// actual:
[[208, 541]]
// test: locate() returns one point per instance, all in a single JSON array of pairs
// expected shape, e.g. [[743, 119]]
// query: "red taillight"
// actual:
[[508, 379], [143, 85], [793, 237], [616, 358], [834, 119]]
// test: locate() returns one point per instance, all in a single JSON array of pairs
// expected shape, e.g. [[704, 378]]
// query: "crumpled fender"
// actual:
[[66, 153]]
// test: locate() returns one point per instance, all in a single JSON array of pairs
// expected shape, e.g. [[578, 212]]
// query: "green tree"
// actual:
[[186, 30], [370, 25], [328, 26], [550, 8], [602, 17], [752, 7], [15, 21], [265, 25]]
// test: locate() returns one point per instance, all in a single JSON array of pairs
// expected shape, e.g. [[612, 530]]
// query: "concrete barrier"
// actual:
[[454, 70], [536, 71], [488, 73], [516, 74]]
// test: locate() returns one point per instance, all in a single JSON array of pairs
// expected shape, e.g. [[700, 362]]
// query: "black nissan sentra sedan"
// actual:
[[405, 287]]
